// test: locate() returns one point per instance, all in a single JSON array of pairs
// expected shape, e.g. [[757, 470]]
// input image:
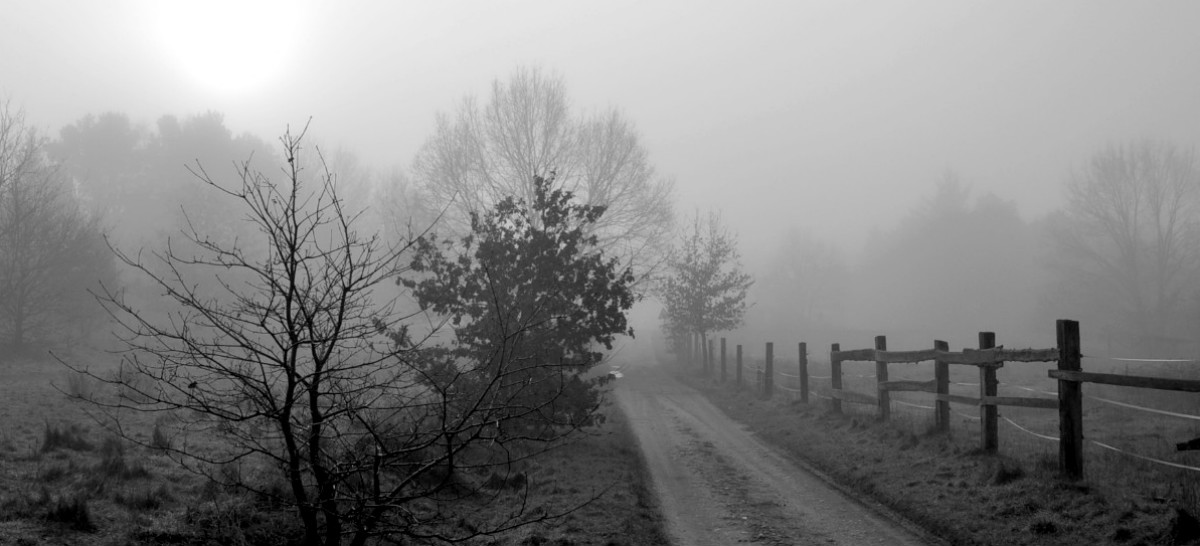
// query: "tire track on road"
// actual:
[[718, 484]]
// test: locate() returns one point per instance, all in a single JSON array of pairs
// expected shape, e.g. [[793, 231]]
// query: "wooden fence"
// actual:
[[987, 358]]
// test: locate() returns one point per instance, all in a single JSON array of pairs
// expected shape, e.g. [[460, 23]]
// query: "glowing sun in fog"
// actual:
[[229, 47]]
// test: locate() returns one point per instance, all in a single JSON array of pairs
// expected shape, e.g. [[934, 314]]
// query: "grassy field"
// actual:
[[945, 484], [66, 480]]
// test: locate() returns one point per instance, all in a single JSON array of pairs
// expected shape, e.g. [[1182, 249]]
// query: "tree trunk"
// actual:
[[17, 340]]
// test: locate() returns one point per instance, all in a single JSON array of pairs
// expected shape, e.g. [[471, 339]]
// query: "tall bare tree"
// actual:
[[51, 249], [485, 153], [1128, 238]]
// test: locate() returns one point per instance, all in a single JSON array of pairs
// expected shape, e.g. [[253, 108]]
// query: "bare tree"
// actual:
[[1128, 238], [486, 153], [51, 250], [290, 359]]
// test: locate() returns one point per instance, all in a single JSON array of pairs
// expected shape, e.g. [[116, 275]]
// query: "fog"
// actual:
[[889, 167]]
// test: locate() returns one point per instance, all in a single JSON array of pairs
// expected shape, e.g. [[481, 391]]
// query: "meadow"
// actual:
[[66, 479]]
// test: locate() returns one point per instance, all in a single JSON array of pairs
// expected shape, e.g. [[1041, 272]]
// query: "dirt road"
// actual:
[[719, 485]]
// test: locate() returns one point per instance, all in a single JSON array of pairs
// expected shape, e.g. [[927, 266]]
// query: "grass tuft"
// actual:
[[1005, 472], [1043, 526], [55, 472], [69, 436], [114, 465], [79, 385], [73, 512], [159, 440], [144, 498], [500, 482]]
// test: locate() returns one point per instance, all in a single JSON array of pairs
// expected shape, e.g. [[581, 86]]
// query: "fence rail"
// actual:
[[987, 358]]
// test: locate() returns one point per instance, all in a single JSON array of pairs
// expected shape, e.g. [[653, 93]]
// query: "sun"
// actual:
[[228, 47]]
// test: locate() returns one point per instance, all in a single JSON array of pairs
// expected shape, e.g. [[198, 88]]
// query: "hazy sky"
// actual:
[[828, 116]]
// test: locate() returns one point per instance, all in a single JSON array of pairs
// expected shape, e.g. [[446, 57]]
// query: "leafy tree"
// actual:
[[51, 249], [1126, 249], [530, 297], [280, 361], [705, 288], [488, 152]]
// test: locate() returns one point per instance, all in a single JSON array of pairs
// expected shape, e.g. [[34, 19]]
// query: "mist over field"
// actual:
[[839, 137], [177, 179]]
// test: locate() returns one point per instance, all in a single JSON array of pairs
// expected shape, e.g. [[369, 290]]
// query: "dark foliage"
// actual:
[[531, 299]]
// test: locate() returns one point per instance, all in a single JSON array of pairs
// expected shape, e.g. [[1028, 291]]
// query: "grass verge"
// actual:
[[67, 481], [944, 484], [604, 472]]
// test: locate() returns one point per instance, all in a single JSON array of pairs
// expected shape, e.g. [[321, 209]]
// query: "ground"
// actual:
[[719, 484]]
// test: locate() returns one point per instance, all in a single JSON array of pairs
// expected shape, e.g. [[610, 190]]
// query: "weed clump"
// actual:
[[500, 482], [72, 512], [113, 463], [1043, 525], [55, 472], [79, 385], [69, 436], [159, 440], [1006, 472], [144, 498]]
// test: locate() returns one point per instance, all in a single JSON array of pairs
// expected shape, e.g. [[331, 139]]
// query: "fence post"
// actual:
[[769, 372], [723, 360], [739, 366], [1070, 403], [835, 376], [803, 372], [989, 428], [881, 377], [941, 375]]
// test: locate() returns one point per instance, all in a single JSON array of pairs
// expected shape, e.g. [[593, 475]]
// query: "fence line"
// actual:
[[987, 359]]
